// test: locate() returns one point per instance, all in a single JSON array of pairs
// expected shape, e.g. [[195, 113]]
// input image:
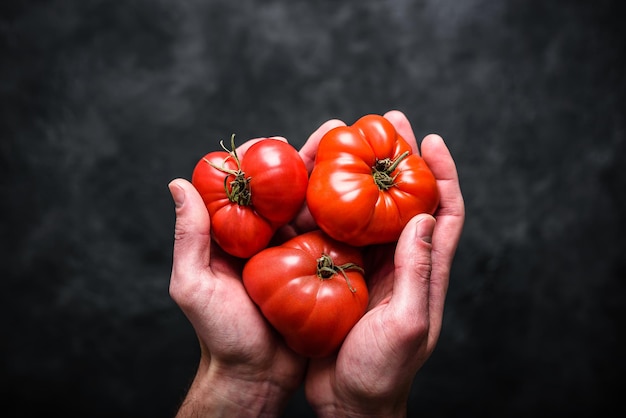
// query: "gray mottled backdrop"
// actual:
[[104, 102]]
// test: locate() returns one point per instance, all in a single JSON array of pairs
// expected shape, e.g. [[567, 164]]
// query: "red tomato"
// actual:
[[311, 289], [367, 184], [249, 198]]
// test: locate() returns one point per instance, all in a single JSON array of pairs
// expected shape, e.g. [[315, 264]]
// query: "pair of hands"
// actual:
[[246, 369]]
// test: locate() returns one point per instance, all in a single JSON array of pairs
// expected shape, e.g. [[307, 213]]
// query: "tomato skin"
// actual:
[[278, 180], [343, 196], [314, 315]]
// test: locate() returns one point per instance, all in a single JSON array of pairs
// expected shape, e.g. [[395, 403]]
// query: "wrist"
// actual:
[[218, 392], [342, 412], [374, 407]]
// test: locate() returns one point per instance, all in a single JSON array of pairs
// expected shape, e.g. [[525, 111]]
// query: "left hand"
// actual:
[[245, 367]]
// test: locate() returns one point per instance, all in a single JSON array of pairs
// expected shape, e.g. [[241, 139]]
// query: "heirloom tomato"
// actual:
[[367, 183], [250, 196], [311, 289]]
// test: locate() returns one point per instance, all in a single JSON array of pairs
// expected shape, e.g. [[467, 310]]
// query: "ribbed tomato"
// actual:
[[311, 289], [250, 196], [367, 183]]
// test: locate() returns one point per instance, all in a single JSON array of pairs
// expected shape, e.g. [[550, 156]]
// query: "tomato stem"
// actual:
[[382, 171], [237, 190], [326, 269]]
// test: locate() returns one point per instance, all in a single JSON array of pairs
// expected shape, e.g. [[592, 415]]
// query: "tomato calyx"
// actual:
[[326, 269], [382, 171], [237, 190]]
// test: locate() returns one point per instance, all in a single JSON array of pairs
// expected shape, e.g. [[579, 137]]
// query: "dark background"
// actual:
[[104, 102]]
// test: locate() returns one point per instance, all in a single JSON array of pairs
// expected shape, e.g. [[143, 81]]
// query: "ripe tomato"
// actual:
[[311, 289], [250, 197], [367, 184]]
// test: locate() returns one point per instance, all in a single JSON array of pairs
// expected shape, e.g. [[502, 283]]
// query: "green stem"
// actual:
[[237, 190], [326, 269], [382, 171]]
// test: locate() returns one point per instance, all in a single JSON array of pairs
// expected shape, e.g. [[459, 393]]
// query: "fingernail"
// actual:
[[425, 228], [178, 194]]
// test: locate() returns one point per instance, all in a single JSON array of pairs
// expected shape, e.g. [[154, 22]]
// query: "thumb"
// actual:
[[192, 232], [413, 266]]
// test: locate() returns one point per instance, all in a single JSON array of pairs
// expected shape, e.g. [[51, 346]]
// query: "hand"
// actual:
[[373, 371], [245, 368]]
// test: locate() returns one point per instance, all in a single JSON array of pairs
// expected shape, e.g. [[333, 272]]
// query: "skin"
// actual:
[[246, 370]]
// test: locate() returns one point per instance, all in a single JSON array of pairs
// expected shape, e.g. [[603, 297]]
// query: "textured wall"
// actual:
[[103, 102]]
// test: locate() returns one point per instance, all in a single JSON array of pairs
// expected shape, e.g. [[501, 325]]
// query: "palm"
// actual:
[[247, 335]]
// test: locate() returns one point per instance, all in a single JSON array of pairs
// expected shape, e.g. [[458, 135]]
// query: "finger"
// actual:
[[192, 232], [403, 127], [411, 288], [309, 149], [451, 212], [450, 218]]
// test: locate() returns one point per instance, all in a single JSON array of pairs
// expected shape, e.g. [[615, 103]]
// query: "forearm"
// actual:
[[215, 394]]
